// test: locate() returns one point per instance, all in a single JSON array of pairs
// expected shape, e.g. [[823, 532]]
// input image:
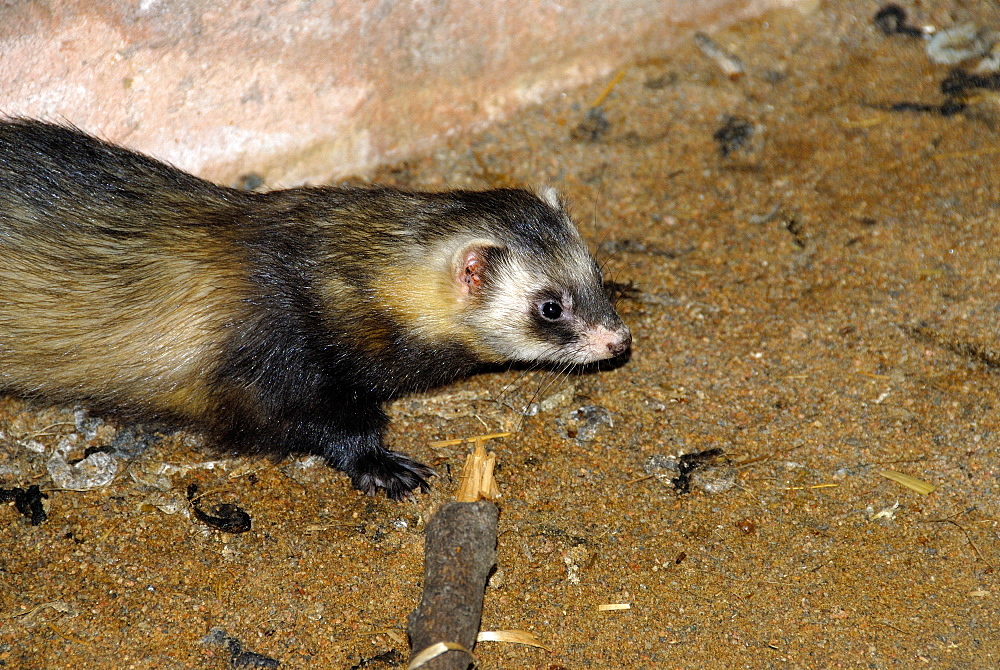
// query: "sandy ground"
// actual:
[[820, 303]]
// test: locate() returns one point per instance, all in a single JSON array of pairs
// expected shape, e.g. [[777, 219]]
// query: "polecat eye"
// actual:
[[550, 310]]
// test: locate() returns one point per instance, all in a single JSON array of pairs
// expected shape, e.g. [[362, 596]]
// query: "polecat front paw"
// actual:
[[395, 473]]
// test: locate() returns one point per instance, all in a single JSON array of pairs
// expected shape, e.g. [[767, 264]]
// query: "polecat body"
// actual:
[[274, 322]]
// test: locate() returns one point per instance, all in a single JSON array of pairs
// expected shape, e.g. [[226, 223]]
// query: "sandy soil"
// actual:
[[821, 303]]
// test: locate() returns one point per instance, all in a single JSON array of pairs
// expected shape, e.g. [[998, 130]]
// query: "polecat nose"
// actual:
[[621, 342], [615, 342]]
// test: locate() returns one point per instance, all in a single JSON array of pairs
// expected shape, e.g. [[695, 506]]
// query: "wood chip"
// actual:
[[918, 485], [513, 636], [476, 481], [611, 607], [433, 651]]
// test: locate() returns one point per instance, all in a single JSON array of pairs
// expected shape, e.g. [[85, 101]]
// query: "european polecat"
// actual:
[[274, 322]]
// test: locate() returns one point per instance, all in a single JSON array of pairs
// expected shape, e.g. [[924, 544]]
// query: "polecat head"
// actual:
[[530, 288]]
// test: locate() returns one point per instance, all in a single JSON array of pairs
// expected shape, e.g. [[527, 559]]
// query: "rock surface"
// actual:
[[305, 91]]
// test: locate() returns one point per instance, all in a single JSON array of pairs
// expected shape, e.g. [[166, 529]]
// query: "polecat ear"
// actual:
[[471, 268], [551, 197], [475, 263]]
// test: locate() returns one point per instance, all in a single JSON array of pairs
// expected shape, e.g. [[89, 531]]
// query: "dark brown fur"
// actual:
[[277, 322]]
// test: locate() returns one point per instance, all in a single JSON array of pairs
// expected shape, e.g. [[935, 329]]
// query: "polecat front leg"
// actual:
[[349, 438], [351, 441]]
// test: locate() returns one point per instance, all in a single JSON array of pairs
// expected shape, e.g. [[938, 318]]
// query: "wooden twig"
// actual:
[[459, 552]]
